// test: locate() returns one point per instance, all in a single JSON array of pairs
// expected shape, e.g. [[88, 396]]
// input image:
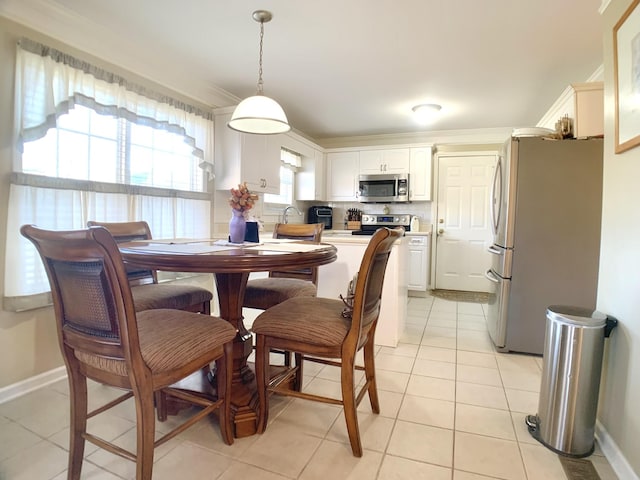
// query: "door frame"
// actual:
[[491, 149]]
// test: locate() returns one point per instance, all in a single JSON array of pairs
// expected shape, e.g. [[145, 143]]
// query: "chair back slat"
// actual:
[[127, 232], [311, 232]]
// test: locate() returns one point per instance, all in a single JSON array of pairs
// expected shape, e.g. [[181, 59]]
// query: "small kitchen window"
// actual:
[[290, 162]]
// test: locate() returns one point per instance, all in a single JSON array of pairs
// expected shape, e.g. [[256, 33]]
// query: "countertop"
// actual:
[[347, 233]]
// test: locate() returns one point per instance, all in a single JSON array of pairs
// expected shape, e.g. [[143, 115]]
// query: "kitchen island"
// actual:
[[333, 280]]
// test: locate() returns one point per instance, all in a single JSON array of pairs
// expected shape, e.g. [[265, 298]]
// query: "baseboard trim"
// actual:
[[30, 384], [615, 457]]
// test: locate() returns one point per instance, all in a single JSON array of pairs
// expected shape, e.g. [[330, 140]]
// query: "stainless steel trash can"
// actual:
[[572, 363]]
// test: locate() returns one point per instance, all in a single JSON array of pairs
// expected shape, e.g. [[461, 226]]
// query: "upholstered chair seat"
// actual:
[[167, 342], [263, 293], [174, 296]]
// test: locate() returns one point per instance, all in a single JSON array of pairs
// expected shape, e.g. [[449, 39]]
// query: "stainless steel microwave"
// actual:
[[383, 188]]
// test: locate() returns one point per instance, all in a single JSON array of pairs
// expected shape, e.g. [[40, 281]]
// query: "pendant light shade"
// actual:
[[259, 114]]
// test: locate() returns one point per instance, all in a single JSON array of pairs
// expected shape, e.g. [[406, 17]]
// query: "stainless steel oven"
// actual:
[[371, 223], [383, 188]]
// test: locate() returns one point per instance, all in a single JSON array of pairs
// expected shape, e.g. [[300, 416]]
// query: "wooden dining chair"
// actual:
[[147, 292], [328, 331], [103, 338], [263, 293]]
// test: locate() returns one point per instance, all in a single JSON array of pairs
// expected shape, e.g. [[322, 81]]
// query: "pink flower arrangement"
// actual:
[[241, 198]]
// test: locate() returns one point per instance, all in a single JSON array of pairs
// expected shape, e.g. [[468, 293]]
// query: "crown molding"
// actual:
[[597, 75], [66, 26], [603, 6], [459, 137]]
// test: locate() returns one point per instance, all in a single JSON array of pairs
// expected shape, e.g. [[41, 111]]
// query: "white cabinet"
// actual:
[[344, 167], [418, 263], [583, 103], [420, 174], [242, 157], [310, 178], [334, 278], [384, 161], [342, 176]]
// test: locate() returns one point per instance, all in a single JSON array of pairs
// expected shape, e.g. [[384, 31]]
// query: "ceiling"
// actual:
[[346, 67]]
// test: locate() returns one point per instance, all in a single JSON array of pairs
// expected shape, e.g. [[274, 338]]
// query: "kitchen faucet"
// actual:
[[285, 212]]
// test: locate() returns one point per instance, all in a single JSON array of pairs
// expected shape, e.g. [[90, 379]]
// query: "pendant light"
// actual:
[[259, 114]]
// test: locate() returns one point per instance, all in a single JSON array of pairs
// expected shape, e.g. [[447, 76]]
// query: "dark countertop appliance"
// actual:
[[321, 214], [371, 223]]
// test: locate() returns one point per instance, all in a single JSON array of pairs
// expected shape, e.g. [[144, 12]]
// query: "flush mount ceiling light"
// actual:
[[259, 114], [426, 113]]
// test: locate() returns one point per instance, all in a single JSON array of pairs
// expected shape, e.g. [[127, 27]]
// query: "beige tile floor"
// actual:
[[452, 409]]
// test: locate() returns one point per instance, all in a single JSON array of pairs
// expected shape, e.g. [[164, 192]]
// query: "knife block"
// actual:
[[353, 225]]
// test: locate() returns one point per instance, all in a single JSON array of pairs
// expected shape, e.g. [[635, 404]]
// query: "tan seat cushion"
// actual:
[[317, 321], [263, 293], [153, 295], [170, 339]]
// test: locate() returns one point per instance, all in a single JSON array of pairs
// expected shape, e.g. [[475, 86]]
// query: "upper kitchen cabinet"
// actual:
[[384, 161], [583, 103], [310, 178], [342, 176], [420, 174], [242, 157]]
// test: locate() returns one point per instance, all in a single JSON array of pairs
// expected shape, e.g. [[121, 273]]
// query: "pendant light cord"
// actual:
[[260, 92]]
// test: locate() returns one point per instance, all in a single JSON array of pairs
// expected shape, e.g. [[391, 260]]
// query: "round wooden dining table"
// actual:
[[231, 265]]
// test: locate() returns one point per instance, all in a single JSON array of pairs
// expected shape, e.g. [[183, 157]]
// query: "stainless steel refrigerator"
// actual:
[[546, 211]]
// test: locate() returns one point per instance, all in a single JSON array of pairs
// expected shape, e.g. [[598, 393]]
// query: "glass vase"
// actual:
[[237, 227]]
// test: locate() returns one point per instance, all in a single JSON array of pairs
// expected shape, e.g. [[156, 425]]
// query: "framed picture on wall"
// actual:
[[626, 64]]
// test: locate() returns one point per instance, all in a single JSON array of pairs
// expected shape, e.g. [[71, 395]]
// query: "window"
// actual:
[[93, 146], [290, 163], [100, 148]]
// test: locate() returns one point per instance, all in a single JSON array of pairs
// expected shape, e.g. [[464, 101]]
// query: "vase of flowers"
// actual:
[[241, 201]]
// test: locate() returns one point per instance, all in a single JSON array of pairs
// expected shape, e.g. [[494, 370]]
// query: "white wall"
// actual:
[[619, 282]]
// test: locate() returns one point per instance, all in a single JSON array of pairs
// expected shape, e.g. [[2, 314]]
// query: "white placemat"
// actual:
[[184, 248], [173, 241], [288, 247]]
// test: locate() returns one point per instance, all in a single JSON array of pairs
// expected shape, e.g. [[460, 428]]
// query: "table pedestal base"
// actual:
[[244, 398]]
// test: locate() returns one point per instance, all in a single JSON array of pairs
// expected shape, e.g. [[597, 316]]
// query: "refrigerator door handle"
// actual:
[[489, 275], [494, 251], [496, 196]]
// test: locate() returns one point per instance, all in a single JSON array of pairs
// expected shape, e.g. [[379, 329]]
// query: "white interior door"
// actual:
[[463, 228]]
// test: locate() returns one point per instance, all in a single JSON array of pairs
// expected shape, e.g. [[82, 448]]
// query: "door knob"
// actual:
[[441, 231], [441, 220]]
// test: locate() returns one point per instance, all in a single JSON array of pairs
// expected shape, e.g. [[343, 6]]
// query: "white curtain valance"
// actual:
[[291, 159], [49, 83]]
